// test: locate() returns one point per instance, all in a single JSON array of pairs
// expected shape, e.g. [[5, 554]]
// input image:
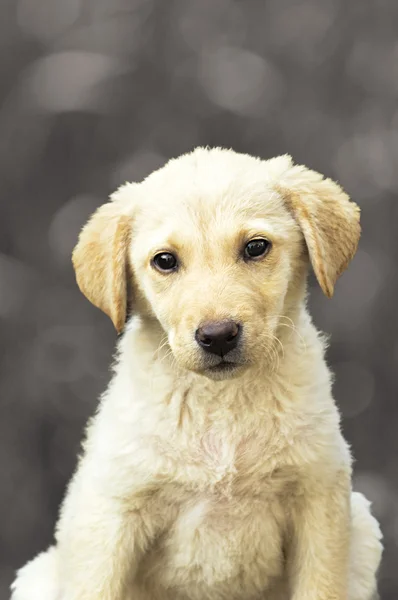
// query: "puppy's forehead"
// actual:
[[208, 187]]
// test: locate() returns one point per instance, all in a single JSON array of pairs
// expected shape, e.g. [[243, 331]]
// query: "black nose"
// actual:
[[219, 337]]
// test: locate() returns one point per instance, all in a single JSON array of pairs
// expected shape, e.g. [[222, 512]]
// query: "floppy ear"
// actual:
[[328, 219], [100, 260]]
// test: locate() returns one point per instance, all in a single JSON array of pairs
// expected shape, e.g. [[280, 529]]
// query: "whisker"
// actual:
[[163, 342], [293, 327]]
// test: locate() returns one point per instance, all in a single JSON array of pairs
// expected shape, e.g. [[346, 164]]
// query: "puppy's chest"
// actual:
[[231, 465], [227, 530]]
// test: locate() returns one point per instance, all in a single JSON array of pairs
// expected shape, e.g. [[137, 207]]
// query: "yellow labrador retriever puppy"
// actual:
[[215, 468]]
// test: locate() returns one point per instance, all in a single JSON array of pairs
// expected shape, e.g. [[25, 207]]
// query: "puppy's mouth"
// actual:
[[224, 370]]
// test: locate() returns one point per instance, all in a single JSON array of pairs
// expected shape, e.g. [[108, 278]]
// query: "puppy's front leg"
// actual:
[[100, 539], [319, 553]]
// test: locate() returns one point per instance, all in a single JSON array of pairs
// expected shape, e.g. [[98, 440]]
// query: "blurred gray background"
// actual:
[[96, 92]]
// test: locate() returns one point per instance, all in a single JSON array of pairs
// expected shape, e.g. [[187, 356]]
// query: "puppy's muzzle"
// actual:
[[218, 337]]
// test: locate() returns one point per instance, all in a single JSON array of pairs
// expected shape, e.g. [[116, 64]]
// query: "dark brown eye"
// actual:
[[165, 261], [257, 248]]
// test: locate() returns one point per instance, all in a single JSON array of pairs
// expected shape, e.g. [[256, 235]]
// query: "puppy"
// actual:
[[215, 467]]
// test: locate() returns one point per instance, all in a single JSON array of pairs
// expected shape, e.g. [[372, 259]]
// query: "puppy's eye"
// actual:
[[257, 248], [165, 261]]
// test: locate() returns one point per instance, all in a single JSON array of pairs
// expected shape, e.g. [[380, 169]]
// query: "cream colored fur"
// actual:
[[197, 485]]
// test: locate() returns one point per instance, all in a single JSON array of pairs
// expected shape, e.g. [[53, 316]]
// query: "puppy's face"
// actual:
[[215, 269], [217, 245]]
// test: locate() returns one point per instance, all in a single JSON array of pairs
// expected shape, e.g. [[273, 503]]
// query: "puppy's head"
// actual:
[[216, 246]]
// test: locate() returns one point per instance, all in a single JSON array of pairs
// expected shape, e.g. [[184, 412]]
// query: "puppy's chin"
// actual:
[[224, 371]]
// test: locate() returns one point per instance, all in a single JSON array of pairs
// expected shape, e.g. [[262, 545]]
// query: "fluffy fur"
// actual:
[[197, 483]]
